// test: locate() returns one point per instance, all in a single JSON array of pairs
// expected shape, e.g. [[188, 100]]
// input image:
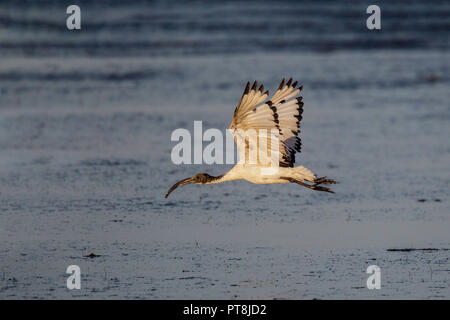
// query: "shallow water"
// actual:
[[161, 28], [85, 163]]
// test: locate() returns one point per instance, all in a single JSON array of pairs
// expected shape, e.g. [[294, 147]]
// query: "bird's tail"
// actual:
[[301, 173]]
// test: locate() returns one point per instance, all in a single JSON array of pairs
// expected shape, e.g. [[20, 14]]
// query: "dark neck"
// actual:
[[211, 179]]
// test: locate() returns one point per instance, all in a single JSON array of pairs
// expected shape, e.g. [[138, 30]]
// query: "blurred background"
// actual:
[[85, 123]]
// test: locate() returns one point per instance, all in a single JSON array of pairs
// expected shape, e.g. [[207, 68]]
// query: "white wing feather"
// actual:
[[281, 113]]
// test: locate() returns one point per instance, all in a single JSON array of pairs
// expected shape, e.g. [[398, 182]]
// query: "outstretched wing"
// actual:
[[282, 112]]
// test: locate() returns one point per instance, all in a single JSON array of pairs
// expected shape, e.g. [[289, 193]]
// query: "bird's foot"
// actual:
[[324, 180], [313, 187], [320, 188]]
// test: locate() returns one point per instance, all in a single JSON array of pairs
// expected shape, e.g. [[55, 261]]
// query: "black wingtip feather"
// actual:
[[289, 82], [247, 88], [255, 85], [281, 84]]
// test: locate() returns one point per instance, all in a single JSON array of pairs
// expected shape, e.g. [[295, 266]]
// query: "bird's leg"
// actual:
[[324, 180], [313, 187]]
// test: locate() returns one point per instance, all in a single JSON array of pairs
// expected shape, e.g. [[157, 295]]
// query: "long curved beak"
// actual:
[[179, 184]]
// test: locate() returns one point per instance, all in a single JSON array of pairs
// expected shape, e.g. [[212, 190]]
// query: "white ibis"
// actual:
[[282, 113]]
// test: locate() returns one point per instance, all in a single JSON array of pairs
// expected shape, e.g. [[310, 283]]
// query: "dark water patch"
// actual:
[[418, 249], [176, 27], [437, 116], [431, 78], [259, 197], [214, 204], [391, 83], [145, 203], [112, 163], [425, 200], [193, 278], [92, 255], [200, 46], [79, 76], [171, 204]]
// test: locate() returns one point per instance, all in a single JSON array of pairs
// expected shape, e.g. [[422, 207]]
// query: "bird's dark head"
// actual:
[[199, 178]]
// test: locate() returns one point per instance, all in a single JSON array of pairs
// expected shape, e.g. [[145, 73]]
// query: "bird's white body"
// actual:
[[265, 175], [266, 161]]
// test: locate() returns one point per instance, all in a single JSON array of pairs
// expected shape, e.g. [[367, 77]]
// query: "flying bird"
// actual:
[[281, 114]]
